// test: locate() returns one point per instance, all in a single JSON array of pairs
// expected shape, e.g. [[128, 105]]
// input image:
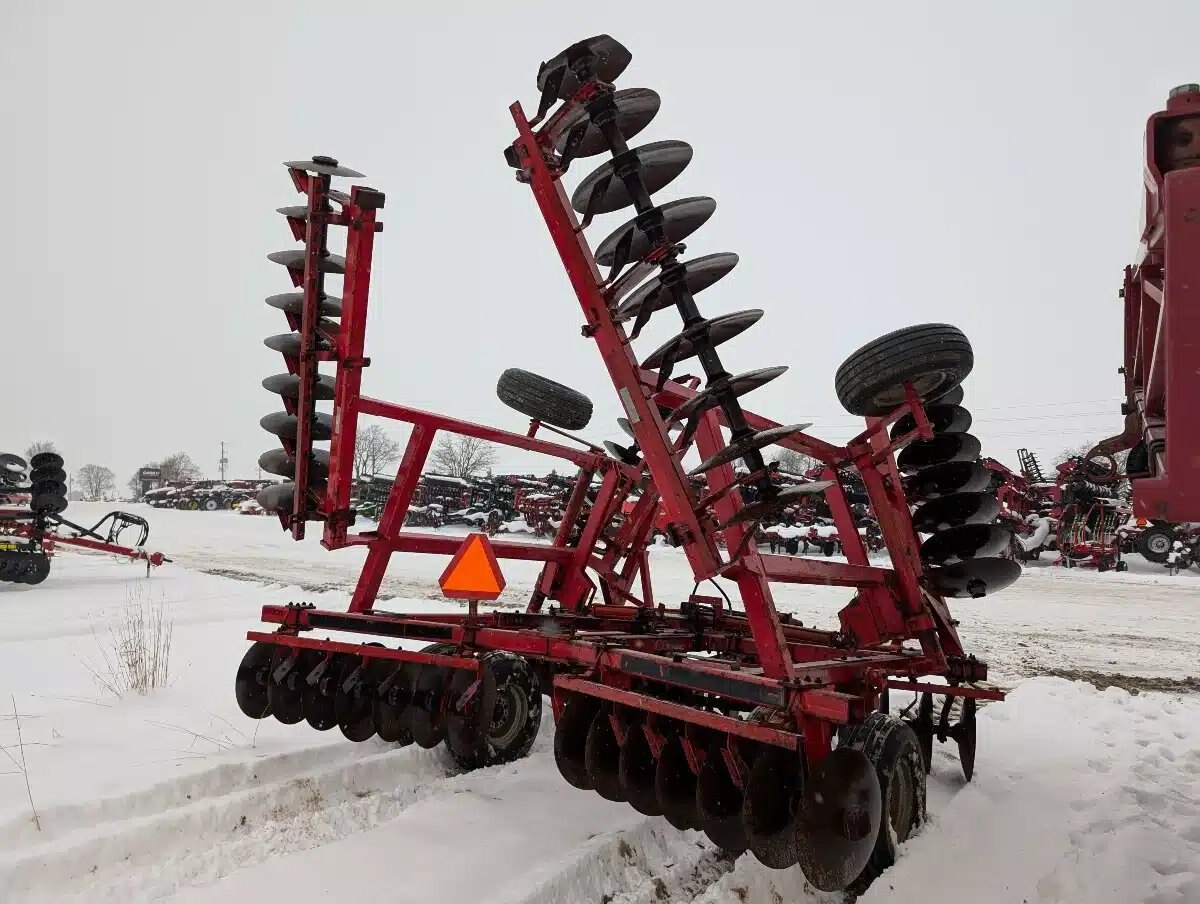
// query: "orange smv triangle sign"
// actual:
[[473, 573]]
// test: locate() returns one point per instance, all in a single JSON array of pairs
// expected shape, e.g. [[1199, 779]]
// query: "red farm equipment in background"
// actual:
[[28, 535], [1161, 294], [719, 715]]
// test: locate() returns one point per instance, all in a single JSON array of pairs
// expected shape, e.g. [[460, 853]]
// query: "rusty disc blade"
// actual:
[[679, 220], [293, 303], [782, 499], [609, 58], [278, 462], [944, 480], [636, 770], [699, 274], [601, 757], [955, 510], [675, 786], [657, 165], [942, 449], [570, 739], [968, 541], [288, 386], [772, 797], [293, 259], [942, 419], [324, 166], [283, 425], [975, 578], [742, 446], [719, 803], [733, 386], [633, 108], [705, 334], [838, 823]]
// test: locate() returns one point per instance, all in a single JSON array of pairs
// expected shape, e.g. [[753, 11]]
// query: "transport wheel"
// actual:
[[543, 399], [508, 733], [56, 474], [37, 569], [934, 357], [893, 748], [250, 685], [210, 504], [1155, 543], [46, 460]]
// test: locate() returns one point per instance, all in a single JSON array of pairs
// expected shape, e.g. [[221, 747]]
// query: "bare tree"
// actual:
[[374, 450], [793, 462], [42, 445], [462, 456], [179, 467], [95, 481]]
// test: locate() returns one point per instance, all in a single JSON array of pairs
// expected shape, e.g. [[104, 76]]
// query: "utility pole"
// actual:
[[223, 463]]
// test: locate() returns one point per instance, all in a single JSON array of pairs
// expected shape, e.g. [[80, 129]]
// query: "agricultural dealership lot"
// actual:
[[1085, 790]]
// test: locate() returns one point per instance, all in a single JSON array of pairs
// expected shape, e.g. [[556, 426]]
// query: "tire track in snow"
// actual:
[[149, 845]]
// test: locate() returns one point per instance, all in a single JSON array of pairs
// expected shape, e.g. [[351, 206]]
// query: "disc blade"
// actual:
[[657, 165], [633, 108], [679, 220], [286, 692], [675, 786], [428, 718], [570, 739], [965, 735], [839, 820], [719, 803], [467, 725], [392, 722], [635, 770], [319, 709], [942, 419], [948, 447], [955, 510], [707, 333], [975, 578], [943, 480], [699, 274], [609, 60], [293, 303], [740, 447], [293, 259], [783, 499], [772, 797], [620, 453], [250, 683], [324, 166], [278, 462], [353, 701], [601, 757], [288, 386], [733, 386], [969, 541], [283, 425], [13, 464], [46, 460]]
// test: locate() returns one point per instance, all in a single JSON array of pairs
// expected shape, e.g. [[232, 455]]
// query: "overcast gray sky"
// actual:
[[905, 163]]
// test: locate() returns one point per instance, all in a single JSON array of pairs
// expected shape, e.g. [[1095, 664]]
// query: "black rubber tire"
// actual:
[[519, 702], [1152, 537], [935, 357], [543, 399], [211, 504], [895, 751], [1138, 460], [40, 474], [46, 460]]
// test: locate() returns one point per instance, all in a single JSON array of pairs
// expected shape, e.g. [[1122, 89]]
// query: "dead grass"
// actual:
[[135, 657]]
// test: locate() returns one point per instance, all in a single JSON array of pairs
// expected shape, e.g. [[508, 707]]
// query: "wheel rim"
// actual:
[[901, 798], [925, 386], [508, 718], [1159, 543]]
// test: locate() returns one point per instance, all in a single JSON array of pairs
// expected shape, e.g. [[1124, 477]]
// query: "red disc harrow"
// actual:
[[723, 715]]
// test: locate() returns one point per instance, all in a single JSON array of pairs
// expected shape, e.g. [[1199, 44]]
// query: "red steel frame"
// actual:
[[1161, 294], [610, 647], [20, 523]]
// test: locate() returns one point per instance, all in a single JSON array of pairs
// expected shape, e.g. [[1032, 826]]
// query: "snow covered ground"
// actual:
[[1081, 794]]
